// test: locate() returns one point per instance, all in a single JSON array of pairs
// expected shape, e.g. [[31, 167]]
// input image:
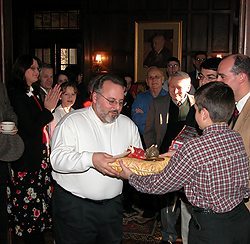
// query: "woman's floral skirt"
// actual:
[[29, 200]]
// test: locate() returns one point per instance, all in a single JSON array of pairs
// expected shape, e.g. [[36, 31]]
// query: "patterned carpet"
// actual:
[[139, 229]]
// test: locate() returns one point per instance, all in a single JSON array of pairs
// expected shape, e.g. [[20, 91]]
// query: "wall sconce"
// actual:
[[100, 62], [219, 55]]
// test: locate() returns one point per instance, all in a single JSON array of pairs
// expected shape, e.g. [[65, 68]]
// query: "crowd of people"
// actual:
[[55, 164]]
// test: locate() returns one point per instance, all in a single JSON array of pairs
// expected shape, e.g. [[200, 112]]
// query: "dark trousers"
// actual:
[[229, 228], [83, 221]]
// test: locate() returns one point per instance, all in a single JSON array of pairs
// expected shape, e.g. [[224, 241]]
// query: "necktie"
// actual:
[[179, 103], [234, 116]]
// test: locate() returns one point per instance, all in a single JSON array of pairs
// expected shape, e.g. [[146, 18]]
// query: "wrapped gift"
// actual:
[[140, 166], [141, 162]]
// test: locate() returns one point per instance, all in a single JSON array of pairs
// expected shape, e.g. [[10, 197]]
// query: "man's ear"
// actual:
[[243, 77], [93, 96], [205, 114]]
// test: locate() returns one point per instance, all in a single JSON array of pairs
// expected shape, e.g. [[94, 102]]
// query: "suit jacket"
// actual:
[[157, 120], [42, 94], [128, 101], [6, 111], [242, 126], [194, 81], [31, 121]]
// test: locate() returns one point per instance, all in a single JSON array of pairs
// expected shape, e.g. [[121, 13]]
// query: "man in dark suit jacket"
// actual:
[[128, 98], [197, 59], [45, 80], [158, 115], [159, 54]]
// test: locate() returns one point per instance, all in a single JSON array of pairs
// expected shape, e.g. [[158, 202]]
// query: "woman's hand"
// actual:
[[52, 98]]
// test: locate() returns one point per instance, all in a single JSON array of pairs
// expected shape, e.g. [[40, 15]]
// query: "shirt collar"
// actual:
[[215, 127], [182, 101], [241, 103], [44, 90], [30, 91]]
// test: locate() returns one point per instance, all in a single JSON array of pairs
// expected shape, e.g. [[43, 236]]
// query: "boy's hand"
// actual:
[[167, 154], [126, 172]]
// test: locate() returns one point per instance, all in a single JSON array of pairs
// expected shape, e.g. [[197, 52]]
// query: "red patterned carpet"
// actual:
[[138, 230]]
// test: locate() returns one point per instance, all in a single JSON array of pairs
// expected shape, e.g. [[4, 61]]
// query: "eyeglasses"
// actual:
[[112, 101], [200, 59], [209, 77], [173, 65]]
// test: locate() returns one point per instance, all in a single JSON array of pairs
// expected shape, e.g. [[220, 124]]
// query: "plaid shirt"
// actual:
[[213, 169]]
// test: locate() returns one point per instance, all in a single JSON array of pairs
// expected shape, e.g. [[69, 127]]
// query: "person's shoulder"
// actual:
[[125, 121], [142, 96], [124, 118], [162, 99], [191, 99]]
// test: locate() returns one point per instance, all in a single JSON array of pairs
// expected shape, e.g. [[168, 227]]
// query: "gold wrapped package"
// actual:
[[141, 167]]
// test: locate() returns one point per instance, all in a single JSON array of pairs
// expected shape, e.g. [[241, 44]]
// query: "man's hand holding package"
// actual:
[[101, 162]]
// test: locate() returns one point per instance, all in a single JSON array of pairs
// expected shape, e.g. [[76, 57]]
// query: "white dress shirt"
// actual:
[[78, 135]]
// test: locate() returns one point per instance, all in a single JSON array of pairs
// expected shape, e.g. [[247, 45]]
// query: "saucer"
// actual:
[[9, 132]]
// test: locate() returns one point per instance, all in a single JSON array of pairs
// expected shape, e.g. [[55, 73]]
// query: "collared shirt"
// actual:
[[179, 103], [77, 136], [241, 103], [45, 91], [212, 168], [30, 91], [58, 114]]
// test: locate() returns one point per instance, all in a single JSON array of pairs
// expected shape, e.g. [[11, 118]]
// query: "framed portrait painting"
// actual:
[[155, 42]]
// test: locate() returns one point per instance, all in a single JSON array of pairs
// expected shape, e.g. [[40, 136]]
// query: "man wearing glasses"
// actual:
[[173, 65], [208, 71], [87, 200], [198, 58]]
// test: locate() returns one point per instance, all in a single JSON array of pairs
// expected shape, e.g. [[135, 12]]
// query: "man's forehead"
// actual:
[[226, 64], [179, 80], [172, 62], [154, 72]]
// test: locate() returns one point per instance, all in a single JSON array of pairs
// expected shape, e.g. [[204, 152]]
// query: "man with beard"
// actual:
[[87, 198]]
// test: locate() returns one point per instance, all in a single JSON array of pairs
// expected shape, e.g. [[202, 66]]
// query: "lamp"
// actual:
[[100, 62]]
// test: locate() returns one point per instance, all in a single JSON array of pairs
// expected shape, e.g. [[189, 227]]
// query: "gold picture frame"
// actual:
[[144, 34]]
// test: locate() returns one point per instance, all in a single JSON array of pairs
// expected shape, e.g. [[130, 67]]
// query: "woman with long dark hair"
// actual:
[[31, 184]]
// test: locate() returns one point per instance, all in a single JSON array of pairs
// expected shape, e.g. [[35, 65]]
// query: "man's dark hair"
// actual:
[[97, 82], [199, 53], [174, 59], [46, 66], [218, 99], [211, 63], [241, 65]]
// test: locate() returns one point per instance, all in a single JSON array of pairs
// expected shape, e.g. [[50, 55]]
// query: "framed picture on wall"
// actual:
[[155, 42]]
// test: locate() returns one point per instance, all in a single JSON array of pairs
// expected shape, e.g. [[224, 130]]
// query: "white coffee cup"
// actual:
[[7, 125]]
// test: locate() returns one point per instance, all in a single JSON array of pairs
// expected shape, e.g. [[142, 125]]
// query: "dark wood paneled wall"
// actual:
[[108, 25]]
